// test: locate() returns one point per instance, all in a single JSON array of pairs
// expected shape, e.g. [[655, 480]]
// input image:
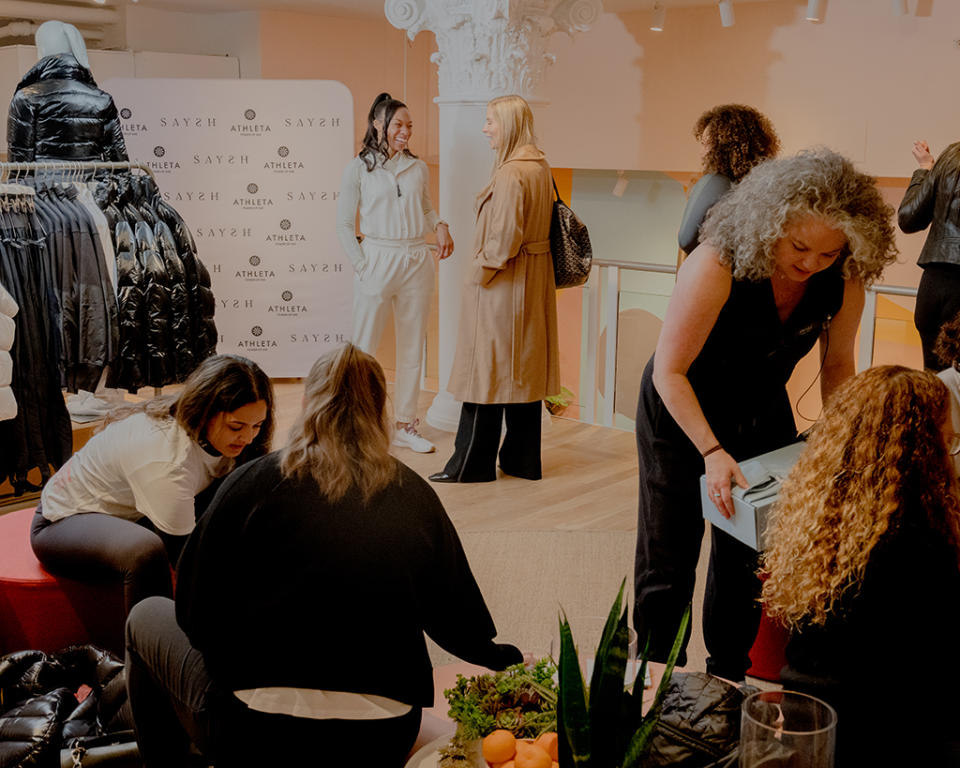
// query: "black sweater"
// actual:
[[886, 657], [279, 587]]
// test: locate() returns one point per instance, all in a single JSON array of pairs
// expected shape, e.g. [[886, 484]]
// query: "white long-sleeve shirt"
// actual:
[[392, 201]]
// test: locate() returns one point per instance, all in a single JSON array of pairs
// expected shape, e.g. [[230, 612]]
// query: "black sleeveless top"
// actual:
[[741, 373]]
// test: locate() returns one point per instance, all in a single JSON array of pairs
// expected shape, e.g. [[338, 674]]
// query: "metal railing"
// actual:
[[606, 275]]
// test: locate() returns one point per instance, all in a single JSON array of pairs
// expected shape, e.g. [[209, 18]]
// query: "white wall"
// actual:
[[864, 81], [212, 34]]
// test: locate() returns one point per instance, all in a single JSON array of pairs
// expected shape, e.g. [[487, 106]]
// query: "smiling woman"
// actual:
[[783, 264], [124, 504]]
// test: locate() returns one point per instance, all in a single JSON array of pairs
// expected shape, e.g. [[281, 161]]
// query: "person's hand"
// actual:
[[444, 241], [921, 152], [722, 472]]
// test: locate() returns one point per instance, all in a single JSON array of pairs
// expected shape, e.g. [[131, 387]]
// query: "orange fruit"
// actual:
[[532, 756], [549, 741], [499, 746]]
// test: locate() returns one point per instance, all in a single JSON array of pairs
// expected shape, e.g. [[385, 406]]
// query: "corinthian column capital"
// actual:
[[488, 48]]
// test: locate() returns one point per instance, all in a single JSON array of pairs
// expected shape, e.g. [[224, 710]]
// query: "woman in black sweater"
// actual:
[[863, 565], [303, 596]]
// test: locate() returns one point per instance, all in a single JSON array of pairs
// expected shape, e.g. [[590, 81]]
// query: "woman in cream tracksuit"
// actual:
[[392, 265]]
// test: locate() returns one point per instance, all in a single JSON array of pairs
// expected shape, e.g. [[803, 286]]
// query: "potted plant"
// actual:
[[604, 726], [557, 404]]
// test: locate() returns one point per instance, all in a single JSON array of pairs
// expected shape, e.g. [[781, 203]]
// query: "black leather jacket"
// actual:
[[933, 199], [58, 113]]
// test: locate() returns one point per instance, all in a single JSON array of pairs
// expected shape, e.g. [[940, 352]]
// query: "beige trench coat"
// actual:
[[507, 343]]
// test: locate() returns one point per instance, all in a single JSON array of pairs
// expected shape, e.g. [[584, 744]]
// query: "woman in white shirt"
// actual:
[[123, 505], [389, 188]]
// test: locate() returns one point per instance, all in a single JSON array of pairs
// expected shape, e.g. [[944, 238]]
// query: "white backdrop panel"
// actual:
[[254, 168]]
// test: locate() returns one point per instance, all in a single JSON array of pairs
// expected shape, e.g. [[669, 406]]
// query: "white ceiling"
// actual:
[[375, 7]]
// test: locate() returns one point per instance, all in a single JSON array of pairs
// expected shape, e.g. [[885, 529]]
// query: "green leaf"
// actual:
[[572, 703], [606, 685], [640, 742]]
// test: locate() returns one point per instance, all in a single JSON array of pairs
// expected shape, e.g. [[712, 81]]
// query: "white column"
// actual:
[[487, 48]]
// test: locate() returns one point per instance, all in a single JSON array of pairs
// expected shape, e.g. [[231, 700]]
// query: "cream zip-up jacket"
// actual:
[[8, 328], [393, 202]]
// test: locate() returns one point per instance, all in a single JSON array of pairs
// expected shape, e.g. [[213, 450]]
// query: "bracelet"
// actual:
[[439, 223], [715, 448]]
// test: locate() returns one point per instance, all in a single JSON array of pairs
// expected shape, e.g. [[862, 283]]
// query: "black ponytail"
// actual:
[[375, 147]]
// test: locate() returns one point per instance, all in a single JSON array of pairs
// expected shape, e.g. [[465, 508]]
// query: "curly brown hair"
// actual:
[[878, 450], [740, 137], [947, 346]]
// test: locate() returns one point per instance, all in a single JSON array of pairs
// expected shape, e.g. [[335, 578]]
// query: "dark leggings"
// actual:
[[175, 702], [91, 546], [938, 302]]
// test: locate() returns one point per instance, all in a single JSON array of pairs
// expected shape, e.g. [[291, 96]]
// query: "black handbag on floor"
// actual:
[[699, 725], [569, 245]]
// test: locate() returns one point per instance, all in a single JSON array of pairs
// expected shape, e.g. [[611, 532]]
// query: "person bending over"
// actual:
[[862, 564], [297, 636], [783, 264], [123, 505]]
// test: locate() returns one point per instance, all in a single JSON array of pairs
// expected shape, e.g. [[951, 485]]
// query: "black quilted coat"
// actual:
[[40, 712], [58, 113]]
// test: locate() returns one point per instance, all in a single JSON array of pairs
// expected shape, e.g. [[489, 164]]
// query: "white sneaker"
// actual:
[[408, 437]]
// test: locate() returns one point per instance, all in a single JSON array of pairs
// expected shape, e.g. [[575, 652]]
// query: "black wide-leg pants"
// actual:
[[475, 451]]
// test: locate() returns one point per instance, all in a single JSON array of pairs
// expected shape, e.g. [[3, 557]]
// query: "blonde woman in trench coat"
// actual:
[[506, 360]]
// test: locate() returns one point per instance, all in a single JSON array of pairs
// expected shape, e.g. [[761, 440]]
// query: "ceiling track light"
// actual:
[[659, 17], [900, 7], [814, 10], [726, 12]]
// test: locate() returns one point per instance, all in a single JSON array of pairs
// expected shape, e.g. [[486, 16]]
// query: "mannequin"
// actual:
[[57, 111]]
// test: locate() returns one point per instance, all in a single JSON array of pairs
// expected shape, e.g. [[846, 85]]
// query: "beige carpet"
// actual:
[[527, 576]]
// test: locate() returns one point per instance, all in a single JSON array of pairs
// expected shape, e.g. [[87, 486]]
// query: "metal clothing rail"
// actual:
[[70, 167]]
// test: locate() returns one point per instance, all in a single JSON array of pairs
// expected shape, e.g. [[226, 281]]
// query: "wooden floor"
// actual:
[[589, 476]]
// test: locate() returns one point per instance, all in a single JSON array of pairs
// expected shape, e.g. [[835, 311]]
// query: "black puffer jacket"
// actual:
[[130, 287], [180, 331], [58, 113], [933, 199], [157, 365], [41, 713]]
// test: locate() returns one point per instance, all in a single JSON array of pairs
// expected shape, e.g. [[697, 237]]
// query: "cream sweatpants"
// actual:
[[398, 273]]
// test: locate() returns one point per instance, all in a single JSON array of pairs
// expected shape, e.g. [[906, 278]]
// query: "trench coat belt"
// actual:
[[400, 242], [537, 247]]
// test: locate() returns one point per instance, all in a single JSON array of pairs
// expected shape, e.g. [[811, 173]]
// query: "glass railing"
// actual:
[[602, 315]]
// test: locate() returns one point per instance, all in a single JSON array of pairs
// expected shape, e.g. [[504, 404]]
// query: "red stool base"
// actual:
[[40, 611], [768, 654]]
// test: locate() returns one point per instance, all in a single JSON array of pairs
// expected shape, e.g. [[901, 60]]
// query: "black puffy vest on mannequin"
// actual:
[[58, 113]]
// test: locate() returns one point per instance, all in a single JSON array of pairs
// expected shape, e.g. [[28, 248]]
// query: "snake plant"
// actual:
[[604, 726]]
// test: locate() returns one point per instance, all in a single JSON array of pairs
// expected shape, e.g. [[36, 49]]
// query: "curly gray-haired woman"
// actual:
[[784, 262]]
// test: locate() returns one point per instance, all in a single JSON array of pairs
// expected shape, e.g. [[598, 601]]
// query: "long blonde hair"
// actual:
[[878, 451], [342, 437], [515, 119]]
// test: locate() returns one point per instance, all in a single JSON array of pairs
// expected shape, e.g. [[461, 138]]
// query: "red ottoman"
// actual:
[[39, 611], [768, 654]]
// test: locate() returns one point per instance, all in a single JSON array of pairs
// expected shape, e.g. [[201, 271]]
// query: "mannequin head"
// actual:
[[55, 37]]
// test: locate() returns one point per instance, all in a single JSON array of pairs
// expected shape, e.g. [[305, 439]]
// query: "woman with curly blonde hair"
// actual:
[[784, 263], [733, 139], [863, 556]]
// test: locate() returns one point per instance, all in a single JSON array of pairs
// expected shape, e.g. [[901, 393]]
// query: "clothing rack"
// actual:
[[70, 167]]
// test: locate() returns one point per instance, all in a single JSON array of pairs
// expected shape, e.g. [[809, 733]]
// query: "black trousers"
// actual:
[[175, 702], [938, 302], [475, 452]]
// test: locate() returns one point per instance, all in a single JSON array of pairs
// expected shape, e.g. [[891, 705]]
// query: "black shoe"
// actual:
[[521, 475], [442, 477]]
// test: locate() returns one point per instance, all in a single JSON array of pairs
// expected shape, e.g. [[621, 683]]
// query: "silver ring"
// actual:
[[717, 495]]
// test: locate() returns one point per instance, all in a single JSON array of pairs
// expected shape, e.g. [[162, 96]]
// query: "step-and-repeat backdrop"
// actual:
[[254, 168]]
